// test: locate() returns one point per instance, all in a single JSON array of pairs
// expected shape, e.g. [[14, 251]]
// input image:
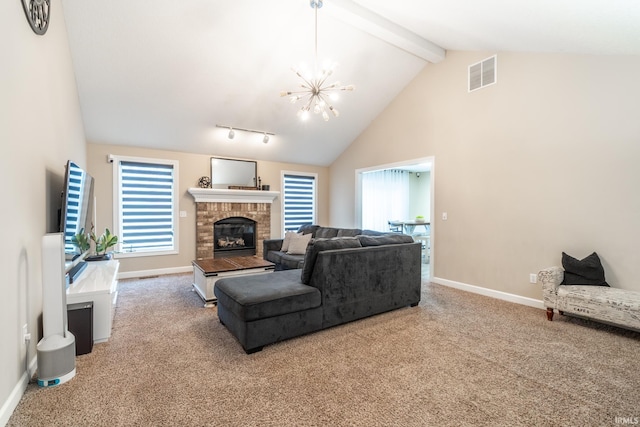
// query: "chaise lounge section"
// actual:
[[342, 279]]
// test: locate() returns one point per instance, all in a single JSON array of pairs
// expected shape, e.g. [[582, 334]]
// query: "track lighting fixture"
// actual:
[[232, 132]]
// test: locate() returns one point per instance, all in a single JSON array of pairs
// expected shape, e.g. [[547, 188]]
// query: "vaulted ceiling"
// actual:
[[162, 74]]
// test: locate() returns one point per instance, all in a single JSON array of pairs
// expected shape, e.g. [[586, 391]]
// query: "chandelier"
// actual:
[[316, 92]]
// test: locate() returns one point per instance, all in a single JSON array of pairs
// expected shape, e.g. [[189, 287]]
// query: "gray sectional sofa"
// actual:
[[342, 279]]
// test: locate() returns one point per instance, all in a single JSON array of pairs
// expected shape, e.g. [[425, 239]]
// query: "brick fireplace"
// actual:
[[213, 205]]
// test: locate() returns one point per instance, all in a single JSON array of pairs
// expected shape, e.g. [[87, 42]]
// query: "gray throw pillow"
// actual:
[[587, 271], [319, 245]]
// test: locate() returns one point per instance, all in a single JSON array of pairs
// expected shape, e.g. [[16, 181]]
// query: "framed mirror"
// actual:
[[231, 173]]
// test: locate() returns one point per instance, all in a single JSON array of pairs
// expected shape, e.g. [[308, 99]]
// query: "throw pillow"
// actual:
[[298, 244], [324, 245], [587, 271], [286, 241]]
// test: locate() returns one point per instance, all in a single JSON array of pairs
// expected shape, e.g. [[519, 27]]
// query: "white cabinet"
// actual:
[[98, 283]]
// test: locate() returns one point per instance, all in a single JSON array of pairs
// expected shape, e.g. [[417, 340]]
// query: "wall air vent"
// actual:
[[483, 73]]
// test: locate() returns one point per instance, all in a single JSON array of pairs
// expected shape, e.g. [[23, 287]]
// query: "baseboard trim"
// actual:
[[518, 299], [156, 272], [16, 394]]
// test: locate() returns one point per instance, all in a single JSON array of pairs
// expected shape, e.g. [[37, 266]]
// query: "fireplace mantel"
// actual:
[[223, 195]]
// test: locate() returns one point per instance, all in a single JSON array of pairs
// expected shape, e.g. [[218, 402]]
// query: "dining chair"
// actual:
[[395, 226]]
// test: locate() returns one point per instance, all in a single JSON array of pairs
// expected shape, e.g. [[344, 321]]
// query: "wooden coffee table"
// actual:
[[207, 271]]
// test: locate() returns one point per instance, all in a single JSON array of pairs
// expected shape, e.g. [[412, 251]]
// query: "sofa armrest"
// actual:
[[271, 245], [551, 278]]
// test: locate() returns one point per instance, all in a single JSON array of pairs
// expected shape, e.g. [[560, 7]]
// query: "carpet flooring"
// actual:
[[458, 359]]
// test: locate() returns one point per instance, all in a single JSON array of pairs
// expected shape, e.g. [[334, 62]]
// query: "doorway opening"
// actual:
[[399, 195]]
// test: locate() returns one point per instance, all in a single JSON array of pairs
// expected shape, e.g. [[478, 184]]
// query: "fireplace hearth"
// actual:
[[234, 236]]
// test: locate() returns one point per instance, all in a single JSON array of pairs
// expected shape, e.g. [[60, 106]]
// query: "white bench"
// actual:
[[618, 307]]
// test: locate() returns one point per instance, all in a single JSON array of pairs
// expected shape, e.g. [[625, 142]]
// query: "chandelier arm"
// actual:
[[324, 79], [324, 99], [293, 92], [304, 79]]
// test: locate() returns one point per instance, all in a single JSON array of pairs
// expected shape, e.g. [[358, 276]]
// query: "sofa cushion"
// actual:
[[298, 244], [348, 232], [385, 239], [260, 296], [324, 245], [325, 233], [607, 296], [587, 271], [619, 307], [373, 233], [274, 256], [291, 261]]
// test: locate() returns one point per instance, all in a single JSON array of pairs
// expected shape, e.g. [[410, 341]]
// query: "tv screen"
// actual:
[[77, 207]]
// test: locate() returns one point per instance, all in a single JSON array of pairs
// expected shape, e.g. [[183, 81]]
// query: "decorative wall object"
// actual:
[[38, 14]]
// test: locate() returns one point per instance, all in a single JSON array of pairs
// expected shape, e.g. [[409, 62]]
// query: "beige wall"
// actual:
[[191, 167], [40, 128], [542, 162]]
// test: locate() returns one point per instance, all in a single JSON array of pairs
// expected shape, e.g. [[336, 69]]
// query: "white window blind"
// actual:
[[299, 200], [147, 206]]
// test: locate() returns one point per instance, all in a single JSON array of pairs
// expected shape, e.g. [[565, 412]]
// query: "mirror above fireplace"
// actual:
[[231, 173]]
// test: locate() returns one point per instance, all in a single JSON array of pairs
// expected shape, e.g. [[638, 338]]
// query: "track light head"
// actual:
[[231, 133], [266, 138]]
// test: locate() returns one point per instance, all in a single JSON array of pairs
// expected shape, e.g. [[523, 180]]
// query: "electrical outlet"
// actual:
[[533, 278]]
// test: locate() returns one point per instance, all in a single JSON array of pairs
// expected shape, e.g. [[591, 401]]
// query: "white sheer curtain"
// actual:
[[385, 197]]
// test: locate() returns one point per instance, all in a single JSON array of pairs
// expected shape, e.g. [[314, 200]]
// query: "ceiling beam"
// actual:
[[390, 32]]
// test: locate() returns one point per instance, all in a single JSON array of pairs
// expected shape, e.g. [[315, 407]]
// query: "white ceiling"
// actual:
[[163, 73]]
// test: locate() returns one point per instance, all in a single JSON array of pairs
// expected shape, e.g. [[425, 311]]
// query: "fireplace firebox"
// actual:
[[234, 236]]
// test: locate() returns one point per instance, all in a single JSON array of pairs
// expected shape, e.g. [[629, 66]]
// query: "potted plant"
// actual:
[[82, 241], [419, 218], [102, 244]]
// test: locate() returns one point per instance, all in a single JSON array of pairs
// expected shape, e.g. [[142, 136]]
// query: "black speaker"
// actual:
[[80, 318]]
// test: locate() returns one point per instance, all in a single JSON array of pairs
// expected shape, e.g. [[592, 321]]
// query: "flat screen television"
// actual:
[[76, 210]]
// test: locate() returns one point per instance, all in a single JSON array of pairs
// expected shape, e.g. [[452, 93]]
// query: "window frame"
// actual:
[[314, 214], [117, 205]]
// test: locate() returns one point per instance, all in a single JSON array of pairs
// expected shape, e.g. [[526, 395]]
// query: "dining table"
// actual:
[[410, 226]]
